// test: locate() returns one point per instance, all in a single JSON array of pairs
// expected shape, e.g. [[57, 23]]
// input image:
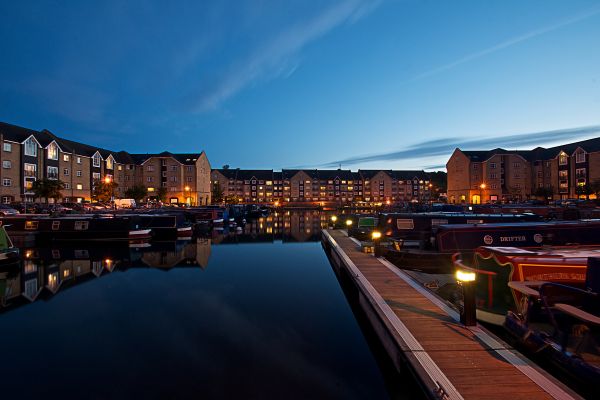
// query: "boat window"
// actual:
[[81, 225], [81, 254], [436, 222], [31, 225], [474, 221], [55, 225], [405, 224]]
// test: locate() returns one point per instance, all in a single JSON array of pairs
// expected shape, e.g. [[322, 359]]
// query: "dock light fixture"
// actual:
[[107, 180], [334, 218], [465, 276], [468, 312], [348, 223], [376, 235]]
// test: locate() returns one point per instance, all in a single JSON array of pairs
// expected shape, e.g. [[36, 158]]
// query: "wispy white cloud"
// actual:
[[510, 42], [444, 147], [279, 57]]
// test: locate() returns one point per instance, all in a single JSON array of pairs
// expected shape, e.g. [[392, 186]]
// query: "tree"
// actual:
[[545, 193], [48, 189], [226, 166], [584, 190], [217, 193], [161, 193], [231, 199], [595, 188], [137, 192], [103, 191]]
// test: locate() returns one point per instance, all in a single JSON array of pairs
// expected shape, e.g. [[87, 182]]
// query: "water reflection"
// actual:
[[45, 271], [186, 319]]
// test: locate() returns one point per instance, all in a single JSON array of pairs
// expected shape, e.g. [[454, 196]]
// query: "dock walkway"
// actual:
[[421, 332]]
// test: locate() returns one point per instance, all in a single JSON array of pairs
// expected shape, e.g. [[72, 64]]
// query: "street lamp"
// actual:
[[187, 195], [481, 189], [108, 181]]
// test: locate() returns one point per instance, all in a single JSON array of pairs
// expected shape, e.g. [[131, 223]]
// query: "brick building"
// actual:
[[499, 175], [321, 186], [28, 155]]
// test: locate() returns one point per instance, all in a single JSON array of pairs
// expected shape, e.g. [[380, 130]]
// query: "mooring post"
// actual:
[[466, 279]]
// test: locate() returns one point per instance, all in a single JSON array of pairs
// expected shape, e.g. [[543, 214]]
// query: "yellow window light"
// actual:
[[465, 276]]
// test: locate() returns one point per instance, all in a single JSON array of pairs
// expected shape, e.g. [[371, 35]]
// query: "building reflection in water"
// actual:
[[45, 271]]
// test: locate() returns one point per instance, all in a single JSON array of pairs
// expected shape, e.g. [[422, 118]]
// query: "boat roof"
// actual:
[[527, 224]]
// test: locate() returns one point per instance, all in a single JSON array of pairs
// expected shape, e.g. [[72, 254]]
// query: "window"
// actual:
[[7, 147], [493, 176], [30, 170], [163, 162], [173, 179], [562, 159], [66, 171], [150, 168], [110, 163], [475, 166], [6, 164], [96, 160], [79, 186], [78, 173], [52, 172], [96, 176], [173, 167], [188, 179], [67, 185], [516, 165], [6, 199], [78, 160], [119, 167], [580, 157], [188, 168], [53, 151], [66, 157], [31, 225], [31, 147], [149, 179], [493, 165], [81, 225], [580, 172], [6, 182], [55, 225], [563, 174]]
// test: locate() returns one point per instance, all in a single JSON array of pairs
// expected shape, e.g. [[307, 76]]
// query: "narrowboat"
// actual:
[[498, 267], [561, 323], [211, 216], [80, 227], [420, 226], [362, 226], [436, 255], [9, 254]]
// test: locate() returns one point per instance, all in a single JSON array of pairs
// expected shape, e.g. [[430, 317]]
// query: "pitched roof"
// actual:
[[370, 173], [327, 174]]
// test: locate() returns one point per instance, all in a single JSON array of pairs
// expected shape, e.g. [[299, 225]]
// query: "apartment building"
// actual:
[[501, 175], [321, 186], [28, 155]]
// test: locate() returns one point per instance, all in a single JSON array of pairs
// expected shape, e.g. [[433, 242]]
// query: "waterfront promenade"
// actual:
[[422, 334]]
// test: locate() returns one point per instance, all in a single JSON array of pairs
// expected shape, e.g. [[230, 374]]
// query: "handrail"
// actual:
[[457, 262]]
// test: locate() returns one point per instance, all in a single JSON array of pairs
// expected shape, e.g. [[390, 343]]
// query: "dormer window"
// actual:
[[31, 147], [562, 159], [53, 151], [580, 157], [109, 163], [96, 160]]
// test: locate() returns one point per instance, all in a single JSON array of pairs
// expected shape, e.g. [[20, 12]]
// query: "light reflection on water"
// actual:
[[265, 318]]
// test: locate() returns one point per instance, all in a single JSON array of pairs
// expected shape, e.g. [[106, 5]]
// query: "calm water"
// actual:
[[186, 320]]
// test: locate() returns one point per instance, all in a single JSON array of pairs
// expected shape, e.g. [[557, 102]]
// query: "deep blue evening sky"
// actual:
[[272, 84]]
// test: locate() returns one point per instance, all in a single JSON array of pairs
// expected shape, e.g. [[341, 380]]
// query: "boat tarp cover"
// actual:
[[4, 242]]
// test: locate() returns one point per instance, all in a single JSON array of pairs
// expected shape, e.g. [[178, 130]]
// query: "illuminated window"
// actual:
[[580, 157], [7, 147], [53, 151], [31, 147], [562, 159], [66, 157], [96, 160]]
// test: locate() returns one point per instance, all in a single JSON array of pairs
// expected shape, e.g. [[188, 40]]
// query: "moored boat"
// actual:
[[561, 322], [8, 253], [436, 256]]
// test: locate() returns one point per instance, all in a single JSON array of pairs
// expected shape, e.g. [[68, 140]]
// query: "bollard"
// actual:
[[466, 280], [333, 221], [376, 236]]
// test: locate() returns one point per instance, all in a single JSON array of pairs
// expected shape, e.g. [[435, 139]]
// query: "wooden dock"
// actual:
[[423, 334]]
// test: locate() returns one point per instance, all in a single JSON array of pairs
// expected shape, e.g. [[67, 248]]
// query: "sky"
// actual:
[[304, 84]]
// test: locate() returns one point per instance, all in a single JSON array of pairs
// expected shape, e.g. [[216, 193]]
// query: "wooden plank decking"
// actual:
[[450, 360]]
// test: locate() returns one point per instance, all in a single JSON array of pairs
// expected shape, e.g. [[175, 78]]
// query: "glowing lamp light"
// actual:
[[333, 218], [187, 188], [107, 179], [276, 204], [348, 222], [376, 235], [28, 254], [465, 276], [388, 202], [482, 186]]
